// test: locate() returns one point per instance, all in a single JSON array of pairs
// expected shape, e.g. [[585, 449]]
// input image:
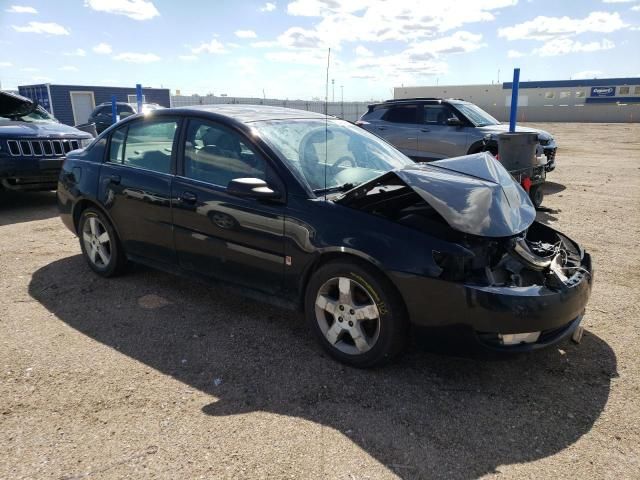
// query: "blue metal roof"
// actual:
[[597, 82]]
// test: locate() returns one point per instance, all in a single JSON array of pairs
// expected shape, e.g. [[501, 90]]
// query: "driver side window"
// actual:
[[437, 114], [217, 155]]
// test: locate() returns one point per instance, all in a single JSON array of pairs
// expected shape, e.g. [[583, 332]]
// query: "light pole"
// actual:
[[342, 101], [333, 90]]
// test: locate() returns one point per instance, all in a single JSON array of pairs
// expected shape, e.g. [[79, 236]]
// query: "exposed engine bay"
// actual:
[[536, 256]]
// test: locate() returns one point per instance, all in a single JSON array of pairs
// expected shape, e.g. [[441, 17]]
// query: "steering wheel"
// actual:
[[346, 160]]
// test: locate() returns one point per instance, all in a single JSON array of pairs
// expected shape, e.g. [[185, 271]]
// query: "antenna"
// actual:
[[326, 125]]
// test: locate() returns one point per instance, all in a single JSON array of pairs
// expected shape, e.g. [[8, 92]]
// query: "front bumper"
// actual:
[[29, 173], [493, 311]]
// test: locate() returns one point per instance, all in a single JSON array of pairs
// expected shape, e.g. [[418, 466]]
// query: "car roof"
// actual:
[[400, 101], [249, 113]]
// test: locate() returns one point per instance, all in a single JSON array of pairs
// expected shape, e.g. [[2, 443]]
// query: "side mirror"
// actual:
[[252, 188], [454, 122]]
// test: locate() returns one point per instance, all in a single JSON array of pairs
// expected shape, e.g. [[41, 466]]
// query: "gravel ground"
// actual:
[[154, 376]]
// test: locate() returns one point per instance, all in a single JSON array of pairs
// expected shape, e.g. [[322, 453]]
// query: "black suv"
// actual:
[[435, 128], [33, 144], [103, 119]]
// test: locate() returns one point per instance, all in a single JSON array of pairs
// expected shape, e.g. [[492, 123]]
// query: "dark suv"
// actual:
[[103, 119], [33, 144], [435, 128]]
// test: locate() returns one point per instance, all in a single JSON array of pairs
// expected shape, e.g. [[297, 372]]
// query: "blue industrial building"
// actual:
[[72, 104]]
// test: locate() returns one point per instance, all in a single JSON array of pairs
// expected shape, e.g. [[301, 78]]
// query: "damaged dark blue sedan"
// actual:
[[316, 214]]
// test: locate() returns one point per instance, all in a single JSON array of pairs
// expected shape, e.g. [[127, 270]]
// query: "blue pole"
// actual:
[[514, 100], [114, 110], [139, 96]]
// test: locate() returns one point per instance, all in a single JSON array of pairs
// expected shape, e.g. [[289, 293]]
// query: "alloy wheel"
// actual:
[[97, 242], [347, 315]]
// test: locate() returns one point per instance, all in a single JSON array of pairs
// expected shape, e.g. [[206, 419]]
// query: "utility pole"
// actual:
[[342, 101], [333, 90]]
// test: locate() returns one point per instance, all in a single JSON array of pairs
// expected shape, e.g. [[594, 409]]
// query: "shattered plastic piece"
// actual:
[[217, 382]]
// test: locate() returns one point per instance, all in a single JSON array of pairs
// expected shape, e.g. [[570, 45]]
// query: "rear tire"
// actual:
[[100, 244], [536, 195], [356, 313]]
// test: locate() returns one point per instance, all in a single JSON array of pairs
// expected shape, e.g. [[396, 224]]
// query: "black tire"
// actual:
[[536, 195], [116, 257], [392, 323]]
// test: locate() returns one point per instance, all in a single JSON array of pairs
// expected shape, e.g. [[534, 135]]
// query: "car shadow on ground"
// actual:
[[547, 215], [551, 188], [18, 207], [426, 416]]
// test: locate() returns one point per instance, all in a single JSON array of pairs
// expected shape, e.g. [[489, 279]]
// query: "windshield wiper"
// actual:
[[337, 188]]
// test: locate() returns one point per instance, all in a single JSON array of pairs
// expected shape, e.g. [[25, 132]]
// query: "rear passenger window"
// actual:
[[402, 114], [149, 145], [216, 155]]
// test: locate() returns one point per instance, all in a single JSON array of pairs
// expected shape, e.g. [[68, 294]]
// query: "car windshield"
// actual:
[[24, 112], [476, 115], [335, 156]]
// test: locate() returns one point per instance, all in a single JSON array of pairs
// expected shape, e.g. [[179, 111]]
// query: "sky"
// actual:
[[279, 49]]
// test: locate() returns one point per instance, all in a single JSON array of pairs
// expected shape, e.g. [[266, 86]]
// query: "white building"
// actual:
[[598, 100]]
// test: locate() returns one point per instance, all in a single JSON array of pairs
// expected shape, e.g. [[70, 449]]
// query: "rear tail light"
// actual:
[[526, 184]]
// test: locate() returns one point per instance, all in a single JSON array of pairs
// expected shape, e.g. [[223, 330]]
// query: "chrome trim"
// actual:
[[60, 149], [16, 145], [44, 150], [33, 150], [26, 143]]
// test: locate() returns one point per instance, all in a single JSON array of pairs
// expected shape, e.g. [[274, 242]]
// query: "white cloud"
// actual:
[[132, 57], [587, 74], [268, 7], [135, 9], [363, 51], [404, 20], [188, 58], [245, 34], [21, 9], [102, 49], [545, 28], [68, 68], [49, 28], [78, 52], [618, 1], [563, 46], [30, 69], [459, 42], [636, 8], [6, 64], [514, 54], [214, 46]]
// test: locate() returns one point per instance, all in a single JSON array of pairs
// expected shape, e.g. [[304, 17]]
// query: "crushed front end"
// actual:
[[512, 282]]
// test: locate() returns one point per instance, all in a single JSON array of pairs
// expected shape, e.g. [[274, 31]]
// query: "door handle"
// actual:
[[115, 179], [188, 197], [425, 130]]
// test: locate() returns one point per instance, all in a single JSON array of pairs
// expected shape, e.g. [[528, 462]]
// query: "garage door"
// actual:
[[82, 104]]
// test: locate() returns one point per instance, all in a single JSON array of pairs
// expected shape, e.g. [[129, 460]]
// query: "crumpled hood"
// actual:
[[13, 129], [501, 128], [473, 193]]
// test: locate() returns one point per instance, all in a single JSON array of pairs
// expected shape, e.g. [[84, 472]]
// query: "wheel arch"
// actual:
[[346, 255], [84, 203]]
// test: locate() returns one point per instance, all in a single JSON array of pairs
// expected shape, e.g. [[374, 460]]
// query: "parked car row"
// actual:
[[317, 214]]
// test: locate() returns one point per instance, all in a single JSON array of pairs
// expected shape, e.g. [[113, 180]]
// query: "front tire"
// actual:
[[100, 244], [536, 195], [356, 314]]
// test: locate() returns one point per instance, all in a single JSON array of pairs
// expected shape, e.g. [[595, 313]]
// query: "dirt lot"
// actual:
[[154, 376]]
